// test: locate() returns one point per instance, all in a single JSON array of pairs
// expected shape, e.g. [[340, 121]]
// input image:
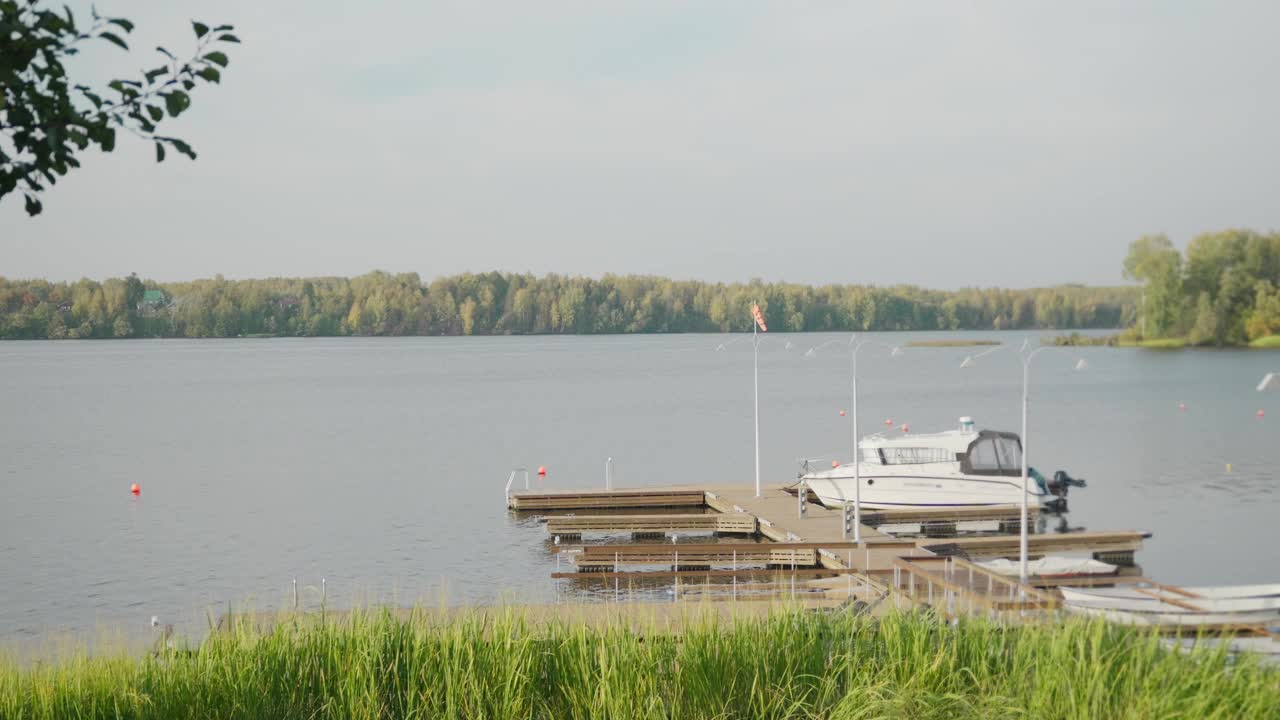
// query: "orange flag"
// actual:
[[759, 316]]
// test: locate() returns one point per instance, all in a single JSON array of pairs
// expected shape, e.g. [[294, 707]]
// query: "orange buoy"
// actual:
[[906, 428], [542, 470], [835, 463], [135, 489], [1182, 406], [888, 422], [841, 413], [1262, 413]]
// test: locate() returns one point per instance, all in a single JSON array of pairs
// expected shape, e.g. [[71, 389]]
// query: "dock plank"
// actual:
[[743, 523]]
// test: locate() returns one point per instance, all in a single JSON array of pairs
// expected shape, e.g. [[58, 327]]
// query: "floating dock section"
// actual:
[[783, 545]]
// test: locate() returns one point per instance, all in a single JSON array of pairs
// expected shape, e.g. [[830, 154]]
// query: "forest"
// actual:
[[1223, 290], [495, 303]]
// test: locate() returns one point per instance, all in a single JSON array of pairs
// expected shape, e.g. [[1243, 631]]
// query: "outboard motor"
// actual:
[[1062, 483]]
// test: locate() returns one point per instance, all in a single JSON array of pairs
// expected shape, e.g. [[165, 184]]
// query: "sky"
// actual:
[[943, 144]]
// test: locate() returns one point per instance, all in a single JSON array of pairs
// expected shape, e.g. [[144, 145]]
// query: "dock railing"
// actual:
[[511, 479], [955, 586]]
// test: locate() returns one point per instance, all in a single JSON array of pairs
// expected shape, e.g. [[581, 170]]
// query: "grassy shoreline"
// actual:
[[1171, 343], [783, 664]]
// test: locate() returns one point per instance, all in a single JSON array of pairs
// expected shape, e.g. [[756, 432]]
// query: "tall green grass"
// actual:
[[788, 664]]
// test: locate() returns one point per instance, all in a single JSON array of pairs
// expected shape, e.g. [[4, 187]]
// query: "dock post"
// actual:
[[617, 595], [735, 575], [675, 593], [608, 474], [850, 568], [295, 594], [802, 499]]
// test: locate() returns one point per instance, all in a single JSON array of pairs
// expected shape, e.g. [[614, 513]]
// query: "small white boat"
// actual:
[[1185, 604], [1191, 595], [1169, 615], [961, 467], [1267, 649], [1171, 610]]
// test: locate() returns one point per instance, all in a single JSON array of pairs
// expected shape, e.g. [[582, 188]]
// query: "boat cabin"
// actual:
[[978, 452]]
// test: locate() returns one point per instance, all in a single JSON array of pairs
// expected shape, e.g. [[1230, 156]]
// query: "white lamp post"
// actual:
[[856, 345], [1026, 358], [1270, 381]]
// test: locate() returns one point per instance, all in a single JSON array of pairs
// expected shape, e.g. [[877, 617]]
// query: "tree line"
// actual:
[[497, 303], [1224, 290]]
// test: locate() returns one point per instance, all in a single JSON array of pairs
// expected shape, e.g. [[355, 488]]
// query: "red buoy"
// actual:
[[906, 428], [835, 463], [542, 470], [841, 413], [135, 489], [1182, 406], [1262, 413]]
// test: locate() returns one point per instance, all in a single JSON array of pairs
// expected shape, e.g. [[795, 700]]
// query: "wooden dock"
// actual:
[[997, 546], [587, 499], [723, 523], [803, 546]]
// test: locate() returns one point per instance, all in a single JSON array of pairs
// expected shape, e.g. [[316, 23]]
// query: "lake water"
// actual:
[[379, 463]]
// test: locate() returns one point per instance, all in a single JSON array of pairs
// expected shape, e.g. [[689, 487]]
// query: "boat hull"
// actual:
[[1171, 617], [889, 491], [1132, 599]]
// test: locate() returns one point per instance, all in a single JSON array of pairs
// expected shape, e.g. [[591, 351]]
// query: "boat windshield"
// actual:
[[993, 453]]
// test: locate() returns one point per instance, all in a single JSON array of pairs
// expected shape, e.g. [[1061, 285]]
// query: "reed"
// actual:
[[787, 664]]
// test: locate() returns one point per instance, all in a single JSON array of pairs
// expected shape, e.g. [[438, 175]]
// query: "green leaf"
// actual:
[[166, 52], [200, 28], [107, 140], [33, 206], [121, 22], [151, 75], [159, 152], [220, 28], [182, 147], [217, 57], [210, 74], [175, 102], [156, 113], [114, 40], [229, 38]]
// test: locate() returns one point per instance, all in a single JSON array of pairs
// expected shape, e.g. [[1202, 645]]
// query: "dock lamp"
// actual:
[[1026, 356]]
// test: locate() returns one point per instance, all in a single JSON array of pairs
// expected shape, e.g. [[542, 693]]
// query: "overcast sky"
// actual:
[[944, 144]]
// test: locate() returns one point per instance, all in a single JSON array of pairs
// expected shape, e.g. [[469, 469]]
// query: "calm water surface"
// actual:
[[379, 464]]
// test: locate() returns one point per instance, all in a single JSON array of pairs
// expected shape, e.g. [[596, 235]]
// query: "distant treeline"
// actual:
[[1225, 289], [506, 304]]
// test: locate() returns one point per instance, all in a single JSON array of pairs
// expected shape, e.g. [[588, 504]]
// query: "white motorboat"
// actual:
[[959, 467]]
